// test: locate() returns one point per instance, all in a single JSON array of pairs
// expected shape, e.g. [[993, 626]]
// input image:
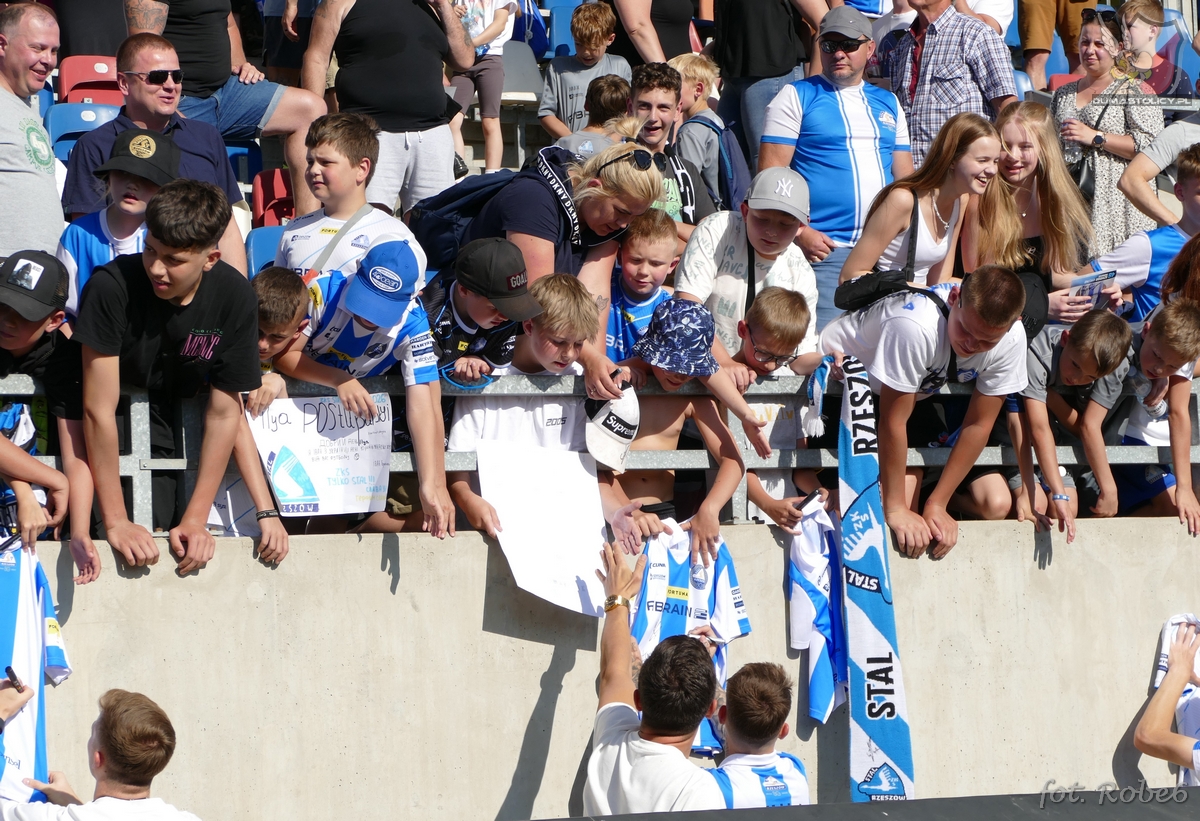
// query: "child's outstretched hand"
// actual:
[[757, 436], [705, 528], [1066, 519], [357, 399], [1189, 510], [471, 368], [273, 387]]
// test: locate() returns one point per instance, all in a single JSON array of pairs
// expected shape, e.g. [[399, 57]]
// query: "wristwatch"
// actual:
[[1099, 139], [615, 601]]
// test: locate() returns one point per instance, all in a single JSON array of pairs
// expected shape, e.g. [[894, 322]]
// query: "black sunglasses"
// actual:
[[1090, 15], [640, 157], [159, 76], [848, 46], [766, 356]]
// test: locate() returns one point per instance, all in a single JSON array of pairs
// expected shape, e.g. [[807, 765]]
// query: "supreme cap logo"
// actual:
[[517, 281], [385, 280]]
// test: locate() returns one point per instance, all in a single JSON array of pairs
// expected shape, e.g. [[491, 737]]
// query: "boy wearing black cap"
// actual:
[[142, 162], [33, 290], [170, 320], [475, 328]]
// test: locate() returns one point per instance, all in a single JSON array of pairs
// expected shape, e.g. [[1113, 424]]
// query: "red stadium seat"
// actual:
[[1056, 81], [88, 78], [271, 198]]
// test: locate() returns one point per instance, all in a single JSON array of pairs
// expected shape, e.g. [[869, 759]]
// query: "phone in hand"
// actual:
[[807, 499], [14, 680]]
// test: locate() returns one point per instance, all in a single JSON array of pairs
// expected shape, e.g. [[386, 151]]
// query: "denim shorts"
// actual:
[[240, 111]]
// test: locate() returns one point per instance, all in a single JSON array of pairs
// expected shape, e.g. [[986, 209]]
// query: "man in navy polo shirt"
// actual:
[[153, 105]]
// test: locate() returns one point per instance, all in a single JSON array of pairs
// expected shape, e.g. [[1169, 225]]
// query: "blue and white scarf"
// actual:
[[881, 761]]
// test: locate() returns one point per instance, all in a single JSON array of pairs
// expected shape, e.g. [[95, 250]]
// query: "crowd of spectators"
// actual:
[[696, 218]]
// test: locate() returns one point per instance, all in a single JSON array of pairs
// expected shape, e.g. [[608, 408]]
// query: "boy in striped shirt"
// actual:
[[758, 699]]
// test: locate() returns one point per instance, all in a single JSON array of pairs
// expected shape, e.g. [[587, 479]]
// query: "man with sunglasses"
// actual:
[[846, 137], [31, 217], [150, 79]]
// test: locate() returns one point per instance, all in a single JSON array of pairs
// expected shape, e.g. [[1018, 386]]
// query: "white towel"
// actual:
[[1168, 636]]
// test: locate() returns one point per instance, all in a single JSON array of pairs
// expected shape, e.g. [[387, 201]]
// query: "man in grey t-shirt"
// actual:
[[1159, 155], [31, 216]]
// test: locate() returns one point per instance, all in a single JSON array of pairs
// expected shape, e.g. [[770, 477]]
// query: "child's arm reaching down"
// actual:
[[705, 526], [354, 396]]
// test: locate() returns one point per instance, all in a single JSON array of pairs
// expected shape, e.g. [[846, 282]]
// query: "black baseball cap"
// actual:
[[34, 284], [494, 268], [147, 154]]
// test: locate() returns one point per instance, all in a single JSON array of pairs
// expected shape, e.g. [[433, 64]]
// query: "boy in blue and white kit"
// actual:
[[647, 256], [142, 161], [758, 699], [1141, 261]]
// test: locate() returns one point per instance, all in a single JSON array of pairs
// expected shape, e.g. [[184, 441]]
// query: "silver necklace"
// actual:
[[1032, 198], [938, 214]]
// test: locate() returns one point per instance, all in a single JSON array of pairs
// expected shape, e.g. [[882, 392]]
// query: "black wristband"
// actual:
[[266, 514]]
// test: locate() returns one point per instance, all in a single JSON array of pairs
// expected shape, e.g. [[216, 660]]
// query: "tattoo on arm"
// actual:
[[146, 15], [602, 301], [635, 659]]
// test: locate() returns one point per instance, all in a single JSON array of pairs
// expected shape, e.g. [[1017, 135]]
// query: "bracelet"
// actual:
[[613, 602], [266, 514], [1060, 497]]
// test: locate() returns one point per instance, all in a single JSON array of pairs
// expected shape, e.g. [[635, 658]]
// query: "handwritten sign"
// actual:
[[321, 459]]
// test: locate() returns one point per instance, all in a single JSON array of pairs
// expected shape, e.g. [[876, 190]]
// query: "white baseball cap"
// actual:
[[611, 427]]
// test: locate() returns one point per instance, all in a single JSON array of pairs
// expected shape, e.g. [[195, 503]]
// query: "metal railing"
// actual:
[[137, 465]]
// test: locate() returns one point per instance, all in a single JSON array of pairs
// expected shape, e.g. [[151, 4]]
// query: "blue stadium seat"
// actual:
[[261, 245], [1023, 83], [561, 41], [246, 157], [45, 99], [67, 122], [1057, 62], [553, 4], [1012, 37]]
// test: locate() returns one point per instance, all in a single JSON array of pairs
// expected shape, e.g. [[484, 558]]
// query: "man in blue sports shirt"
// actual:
[[841, 134]]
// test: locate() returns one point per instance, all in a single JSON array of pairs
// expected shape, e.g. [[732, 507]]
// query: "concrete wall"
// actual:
[[381, 677]]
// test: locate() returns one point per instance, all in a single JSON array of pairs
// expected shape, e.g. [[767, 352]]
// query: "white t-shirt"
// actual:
[[998, 10], [713, 269], [628, 774], [102, 809], [306, 237], [1187, 722], [555, 422], [480, 14], [902, 340]]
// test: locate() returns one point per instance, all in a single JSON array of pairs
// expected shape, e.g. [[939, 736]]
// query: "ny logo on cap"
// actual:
[[784, 189]]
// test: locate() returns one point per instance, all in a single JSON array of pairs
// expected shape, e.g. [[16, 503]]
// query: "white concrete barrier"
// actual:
[[382, 677]]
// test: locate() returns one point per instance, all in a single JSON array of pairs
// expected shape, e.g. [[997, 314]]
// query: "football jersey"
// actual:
[[902, 341], [30, 640], [306, 237], [676, 596], [628, 318], [844, 138], [87, 244], [1187, 722], [814, 607], [1141, 262], [455, 335], [337, 339], [772, 780], [549, 421]]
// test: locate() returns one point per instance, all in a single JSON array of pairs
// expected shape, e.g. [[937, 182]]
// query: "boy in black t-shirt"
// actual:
[[475, 328], [170, 320], [33, 293]]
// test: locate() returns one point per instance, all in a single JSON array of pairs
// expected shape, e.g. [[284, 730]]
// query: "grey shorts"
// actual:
[[486, 77]]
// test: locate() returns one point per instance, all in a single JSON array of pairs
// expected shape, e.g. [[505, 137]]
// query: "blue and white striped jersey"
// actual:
[[339, 340], [753, 781], [306, 237], [30, 640], [815, 607], [86, 244], [628, 319], [1187, 721], [844, 139], [677, 596]]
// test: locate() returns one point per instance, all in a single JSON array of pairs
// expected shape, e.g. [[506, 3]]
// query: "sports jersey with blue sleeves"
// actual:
[[30, 641], [844, 139], [752, 781], [85, 245], [306, 238], [628, 319], [340, 341], [1141, 262]]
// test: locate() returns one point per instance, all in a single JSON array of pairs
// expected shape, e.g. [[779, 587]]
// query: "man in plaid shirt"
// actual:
[[946, 64]]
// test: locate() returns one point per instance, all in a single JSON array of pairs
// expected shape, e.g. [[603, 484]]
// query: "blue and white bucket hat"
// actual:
[[679, 339]]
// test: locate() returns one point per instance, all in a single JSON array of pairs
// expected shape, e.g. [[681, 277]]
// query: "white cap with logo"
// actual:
[[611, 427]]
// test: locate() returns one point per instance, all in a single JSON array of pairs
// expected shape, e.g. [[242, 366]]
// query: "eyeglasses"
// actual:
[[640, 157], [766, 356], [1090, 15], [848, 46], [159, 76]]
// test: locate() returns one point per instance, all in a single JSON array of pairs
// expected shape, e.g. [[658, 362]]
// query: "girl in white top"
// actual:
[[962, 161]]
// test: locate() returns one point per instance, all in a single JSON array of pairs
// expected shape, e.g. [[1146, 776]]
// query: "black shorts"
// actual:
[[279, 51]]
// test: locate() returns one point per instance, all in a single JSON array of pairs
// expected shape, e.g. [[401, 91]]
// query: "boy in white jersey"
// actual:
[[141, 162], [1153, 735], [1075, 379], [758, 699], [907, 344], [774, 327]]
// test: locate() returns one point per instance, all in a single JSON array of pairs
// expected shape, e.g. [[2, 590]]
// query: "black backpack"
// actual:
[[440, 222]]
